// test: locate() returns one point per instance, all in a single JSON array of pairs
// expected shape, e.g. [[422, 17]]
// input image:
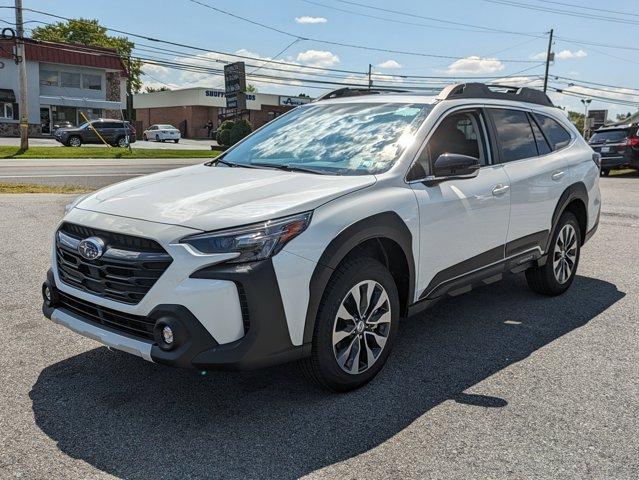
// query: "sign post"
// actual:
[[235, 86]]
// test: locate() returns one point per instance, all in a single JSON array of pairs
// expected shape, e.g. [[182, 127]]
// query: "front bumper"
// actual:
[[266, 340]]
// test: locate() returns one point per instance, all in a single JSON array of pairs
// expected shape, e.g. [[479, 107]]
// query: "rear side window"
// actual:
[[514, 133], [542, 145], [557, 135]]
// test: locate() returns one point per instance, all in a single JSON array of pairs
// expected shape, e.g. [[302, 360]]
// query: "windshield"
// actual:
[[609, 136], [344, 139], [166, 127]]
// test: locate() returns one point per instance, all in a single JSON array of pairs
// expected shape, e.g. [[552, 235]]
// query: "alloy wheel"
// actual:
[[565, 253], [361, 327]]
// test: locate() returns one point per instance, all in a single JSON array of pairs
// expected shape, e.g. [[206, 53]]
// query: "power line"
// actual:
[[585, 7]]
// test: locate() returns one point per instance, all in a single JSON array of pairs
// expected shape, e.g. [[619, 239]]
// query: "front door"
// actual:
[[45, 120], [463, 222]]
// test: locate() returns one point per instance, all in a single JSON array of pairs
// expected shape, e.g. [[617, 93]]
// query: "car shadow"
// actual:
[[137, 420]]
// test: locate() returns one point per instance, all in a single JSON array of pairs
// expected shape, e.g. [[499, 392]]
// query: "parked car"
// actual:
[[114, 132], [162, 133], [618, 146], [309, 239]]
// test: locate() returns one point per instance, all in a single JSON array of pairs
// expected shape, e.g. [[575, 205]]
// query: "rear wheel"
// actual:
[[176, 140], [556, 276], [75, 141], [121, 142], [355, 326]]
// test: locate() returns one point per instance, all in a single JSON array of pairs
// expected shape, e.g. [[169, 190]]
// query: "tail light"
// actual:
[[632, 142], [596, 157]]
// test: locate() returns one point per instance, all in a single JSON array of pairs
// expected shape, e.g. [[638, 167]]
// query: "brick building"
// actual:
[[190, 109], [65, 83]]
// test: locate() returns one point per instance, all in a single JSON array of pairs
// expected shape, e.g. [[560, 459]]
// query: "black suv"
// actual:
[[113, 132], [618, 146]]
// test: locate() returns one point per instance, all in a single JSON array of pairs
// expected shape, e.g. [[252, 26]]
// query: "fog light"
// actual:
[[167, 335], [46, 292]]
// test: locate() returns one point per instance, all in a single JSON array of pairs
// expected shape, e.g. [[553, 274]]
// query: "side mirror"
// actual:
[[455, 165]]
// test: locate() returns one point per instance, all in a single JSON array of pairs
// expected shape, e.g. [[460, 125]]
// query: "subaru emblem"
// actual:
[[91, 248]]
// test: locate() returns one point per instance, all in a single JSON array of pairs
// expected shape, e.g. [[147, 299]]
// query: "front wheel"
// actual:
[[176, 141], [121, 142], [145, 138], [75, 141], [355, 326], [556, 276]]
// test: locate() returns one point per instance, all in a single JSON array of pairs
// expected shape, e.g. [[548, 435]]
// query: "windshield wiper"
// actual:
[[292, 168], [215, 161]]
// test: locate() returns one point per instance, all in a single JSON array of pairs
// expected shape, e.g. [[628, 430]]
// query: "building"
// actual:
[[65, 83], [190, 109]]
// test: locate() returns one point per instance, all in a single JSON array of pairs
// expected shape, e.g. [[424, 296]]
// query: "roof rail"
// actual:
[[357, 91], [498, 92]]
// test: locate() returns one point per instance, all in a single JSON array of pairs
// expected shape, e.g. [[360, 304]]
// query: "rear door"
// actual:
[[463, 222], [530, 149]]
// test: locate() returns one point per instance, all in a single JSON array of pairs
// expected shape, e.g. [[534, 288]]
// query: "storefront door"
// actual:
[[45, 120]]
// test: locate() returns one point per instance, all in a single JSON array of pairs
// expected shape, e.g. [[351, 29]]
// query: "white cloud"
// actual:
[[563, 55], [566, 54], [154, 70], [318, 58], [389, 64], [306, 20], [475, 64]]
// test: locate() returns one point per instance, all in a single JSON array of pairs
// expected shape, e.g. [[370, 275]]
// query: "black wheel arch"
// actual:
[[575, 200], [384, 236]]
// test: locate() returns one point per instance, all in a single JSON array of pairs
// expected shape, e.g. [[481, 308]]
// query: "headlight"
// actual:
[[75, 201], [252, 242]]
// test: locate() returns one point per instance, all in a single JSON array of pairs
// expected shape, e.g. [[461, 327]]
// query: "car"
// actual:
[[113, 132], [312, 237], [618, 146], [162, 133]]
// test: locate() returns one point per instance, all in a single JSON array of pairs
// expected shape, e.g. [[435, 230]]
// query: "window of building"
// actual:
[[70, 80], [6, 110], [90, 113], [514, 133], [49, 78], [557, 135], [91, 82]]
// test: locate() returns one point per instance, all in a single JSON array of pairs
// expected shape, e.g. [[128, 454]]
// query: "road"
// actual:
[[88, 173], [184, 144], [497, 383]]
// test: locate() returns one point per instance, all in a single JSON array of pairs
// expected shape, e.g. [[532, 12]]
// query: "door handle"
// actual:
[[557, 176], [500, 189]]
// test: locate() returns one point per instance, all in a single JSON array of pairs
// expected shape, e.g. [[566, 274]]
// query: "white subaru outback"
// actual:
[[312, 237]]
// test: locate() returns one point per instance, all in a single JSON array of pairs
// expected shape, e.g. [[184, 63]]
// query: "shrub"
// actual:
[[223, 137], [240, 129]]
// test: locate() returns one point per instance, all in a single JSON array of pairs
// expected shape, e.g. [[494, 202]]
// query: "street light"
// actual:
[[586, 102]]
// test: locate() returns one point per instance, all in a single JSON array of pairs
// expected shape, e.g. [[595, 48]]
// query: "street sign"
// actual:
[[597, 118], [235, 85]]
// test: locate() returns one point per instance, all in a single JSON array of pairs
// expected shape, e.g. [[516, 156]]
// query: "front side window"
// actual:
[[91, 82], [557, 135], [70, 80], [49, 78], [514, 133], [345, 138]]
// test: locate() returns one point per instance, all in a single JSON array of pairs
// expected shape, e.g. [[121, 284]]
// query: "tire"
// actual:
[[176, 141], [364, 349], [144, 137], [556, 276], [157, 138], [120, 142], [74, 141], [605, 172]]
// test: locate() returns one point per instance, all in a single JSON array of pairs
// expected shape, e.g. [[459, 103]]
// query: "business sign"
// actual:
[[235, 85], [597, 117], [294, 101]]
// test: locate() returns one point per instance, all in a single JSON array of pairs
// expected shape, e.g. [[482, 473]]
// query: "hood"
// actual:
[[211, 198]]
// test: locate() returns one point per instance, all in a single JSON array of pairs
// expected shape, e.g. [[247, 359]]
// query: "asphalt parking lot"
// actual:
[[498, 383]]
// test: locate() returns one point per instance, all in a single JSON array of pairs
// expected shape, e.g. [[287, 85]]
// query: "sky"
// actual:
[[505, 39]]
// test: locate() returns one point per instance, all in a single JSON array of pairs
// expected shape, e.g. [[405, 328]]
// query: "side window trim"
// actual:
[[536, 113], [490, 151], [534, 123]]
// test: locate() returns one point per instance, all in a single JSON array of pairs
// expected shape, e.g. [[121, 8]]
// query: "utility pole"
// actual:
[[129, 95], [586, 103], [22, 73], [370, 79], [549, 54]]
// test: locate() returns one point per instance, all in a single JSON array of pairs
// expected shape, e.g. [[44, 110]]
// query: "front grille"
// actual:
[[132, 324], [126, 271]]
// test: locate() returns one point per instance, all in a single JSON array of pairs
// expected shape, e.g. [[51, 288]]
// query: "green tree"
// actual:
[[89, 32], [156, 89], [577, 119]]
